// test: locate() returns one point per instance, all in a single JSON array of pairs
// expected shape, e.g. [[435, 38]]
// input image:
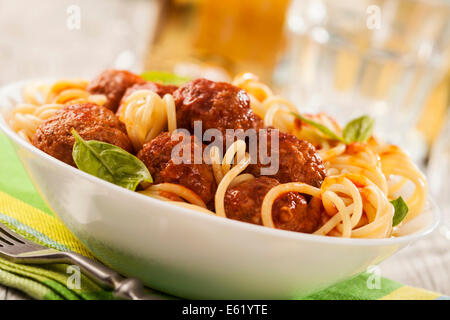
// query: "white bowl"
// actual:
[[192, 254]]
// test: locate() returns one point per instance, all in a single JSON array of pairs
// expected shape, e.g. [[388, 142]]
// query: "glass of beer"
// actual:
[[218, 38]]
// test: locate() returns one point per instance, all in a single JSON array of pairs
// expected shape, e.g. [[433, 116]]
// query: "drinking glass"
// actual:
[[439, 175], [218, 39], [375, 57]]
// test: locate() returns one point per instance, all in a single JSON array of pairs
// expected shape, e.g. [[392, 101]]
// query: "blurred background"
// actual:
[[386, 58]]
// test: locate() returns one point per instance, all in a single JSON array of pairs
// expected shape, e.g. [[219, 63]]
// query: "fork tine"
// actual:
[[3, 241], [5, 233], [12, 245]]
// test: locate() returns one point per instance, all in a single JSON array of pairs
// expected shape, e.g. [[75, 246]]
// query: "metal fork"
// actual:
[[17, 249]]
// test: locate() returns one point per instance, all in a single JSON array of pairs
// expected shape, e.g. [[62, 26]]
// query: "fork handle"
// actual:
[[124, 288]]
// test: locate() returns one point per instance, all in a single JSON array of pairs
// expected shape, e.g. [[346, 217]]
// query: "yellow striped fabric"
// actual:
[[41, 222], [410, 293]]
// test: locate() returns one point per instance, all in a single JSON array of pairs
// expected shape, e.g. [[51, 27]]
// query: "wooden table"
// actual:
[[117, 33], [424, 264], [12, 294]]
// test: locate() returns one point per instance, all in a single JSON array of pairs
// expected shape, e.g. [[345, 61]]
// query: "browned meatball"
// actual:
[[160, 89], [113, 83], [289, 212], [157, 156], [91, 121], [218, 105], [298, 160]]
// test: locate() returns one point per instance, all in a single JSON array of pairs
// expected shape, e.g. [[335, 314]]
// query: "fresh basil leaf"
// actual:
[[164, 77], [359, 129], [401, 210], [109, 162], [325, 130]]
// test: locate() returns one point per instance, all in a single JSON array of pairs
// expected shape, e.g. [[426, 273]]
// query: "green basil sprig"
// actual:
[[357, 130], [324, 129], [109, 162], [164, 77], [401, 210]]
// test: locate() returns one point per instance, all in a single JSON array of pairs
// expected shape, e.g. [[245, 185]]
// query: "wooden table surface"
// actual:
[[12, 294], [117, 33]]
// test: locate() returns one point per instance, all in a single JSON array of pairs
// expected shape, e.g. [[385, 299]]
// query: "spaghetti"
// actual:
[[26, 118], [391, 156], [274, 110], [146, 115], [177, 190], [226, 175], [41, 100]]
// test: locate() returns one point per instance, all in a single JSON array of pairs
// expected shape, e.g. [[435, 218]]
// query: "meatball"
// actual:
[[297, 159], [113, 83], [218, 105], [160, 89], [157, 156], [92, 122], [290, 211]]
